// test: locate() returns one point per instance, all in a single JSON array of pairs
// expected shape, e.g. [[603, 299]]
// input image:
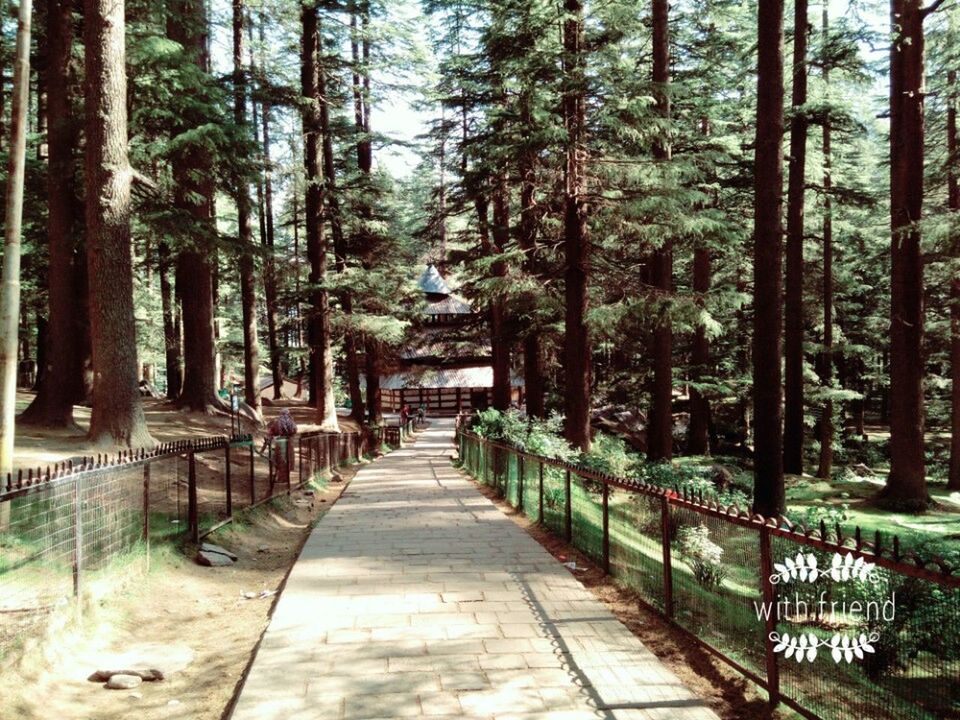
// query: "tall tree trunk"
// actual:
[[360, 54], [698, 441], [906, 485], [578, 360], [61, 383], [660, 435], [769, 496], [117, 415], [793, 331], [193, 196], [316, 239], [953, 183], [533, 377], [340, 249], [442, 197], [171, 326], [248, 283], [499, 342], [698, 438], [825, 359], [267, 232], [578, 349], [13, 217]]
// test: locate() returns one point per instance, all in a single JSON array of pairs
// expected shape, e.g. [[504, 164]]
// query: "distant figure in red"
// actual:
[[404, 414]]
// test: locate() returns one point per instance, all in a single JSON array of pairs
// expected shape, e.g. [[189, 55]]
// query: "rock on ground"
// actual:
[[214, 556], [124, 682]]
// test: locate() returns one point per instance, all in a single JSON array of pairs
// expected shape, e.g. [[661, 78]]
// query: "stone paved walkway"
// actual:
[[415, 596]]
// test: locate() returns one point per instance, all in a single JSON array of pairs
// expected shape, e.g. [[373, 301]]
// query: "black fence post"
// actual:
[[227, 480], [193, 515], [606, 528], [568, 523], [290, 457], [146, 509], [770, 622], [667, 564], [77, 537], [540, 509], [146, 504], [520, 482]]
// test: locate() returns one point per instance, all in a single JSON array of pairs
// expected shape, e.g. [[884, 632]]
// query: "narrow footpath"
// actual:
[[416, 596]]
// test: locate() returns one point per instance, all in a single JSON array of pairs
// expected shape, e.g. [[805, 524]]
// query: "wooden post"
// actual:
[[667, 566], [300, 460], [193, 514], [77, 537], [568, 524], [270, 469], [227, 481], [770, 622], [253, 477], [606, 528]]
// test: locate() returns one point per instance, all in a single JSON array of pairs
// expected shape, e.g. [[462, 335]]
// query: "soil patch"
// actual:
[[198, 625]]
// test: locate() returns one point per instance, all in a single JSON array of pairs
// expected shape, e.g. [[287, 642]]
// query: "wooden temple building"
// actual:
[[446, 363]]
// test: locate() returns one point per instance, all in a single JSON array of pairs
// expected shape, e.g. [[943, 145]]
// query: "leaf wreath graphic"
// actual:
[[799, 647], [844, 568], [842, 647], [802, 568]]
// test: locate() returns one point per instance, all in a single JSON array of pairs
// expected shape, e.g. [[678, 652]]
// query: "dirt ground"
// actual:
[[191, 622], [728, 693], [39, 447]]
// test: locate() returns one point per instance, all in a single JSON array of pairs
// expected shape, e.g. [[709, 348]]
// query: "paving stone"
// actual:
[[415, 596]]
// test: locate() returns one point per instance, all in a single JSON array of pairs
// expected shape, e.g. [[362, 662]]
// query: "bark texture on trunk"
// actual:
[[533, 378], [953, 182], [173, 349], [117, 416], [660, 435], [698, 441], [267, 228], [13, 223], [360, 54], [793, 330], [906, 485], [193, 196], [578, 360], [320, 353], [248, 283], [825, 358], [340, 251], [769, 496], [61, 379], [500, 343]]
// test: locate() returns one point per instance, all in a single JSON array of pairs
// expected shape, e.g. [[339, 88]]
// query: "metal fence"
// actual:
[[745, 588], [63, 526]]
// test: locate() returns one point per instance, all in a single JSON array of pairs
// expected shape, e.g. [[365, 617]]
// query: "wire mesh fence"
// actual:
[[61, 527], [829, 624]]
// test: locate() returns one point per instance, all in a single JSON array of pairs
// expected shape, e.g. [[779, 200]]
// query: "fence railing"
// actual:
[[734, 582], [63, 525]]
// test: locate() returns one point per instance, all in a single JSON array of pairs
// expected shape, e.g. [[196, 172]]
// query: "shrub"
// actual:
[[704, 556]]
